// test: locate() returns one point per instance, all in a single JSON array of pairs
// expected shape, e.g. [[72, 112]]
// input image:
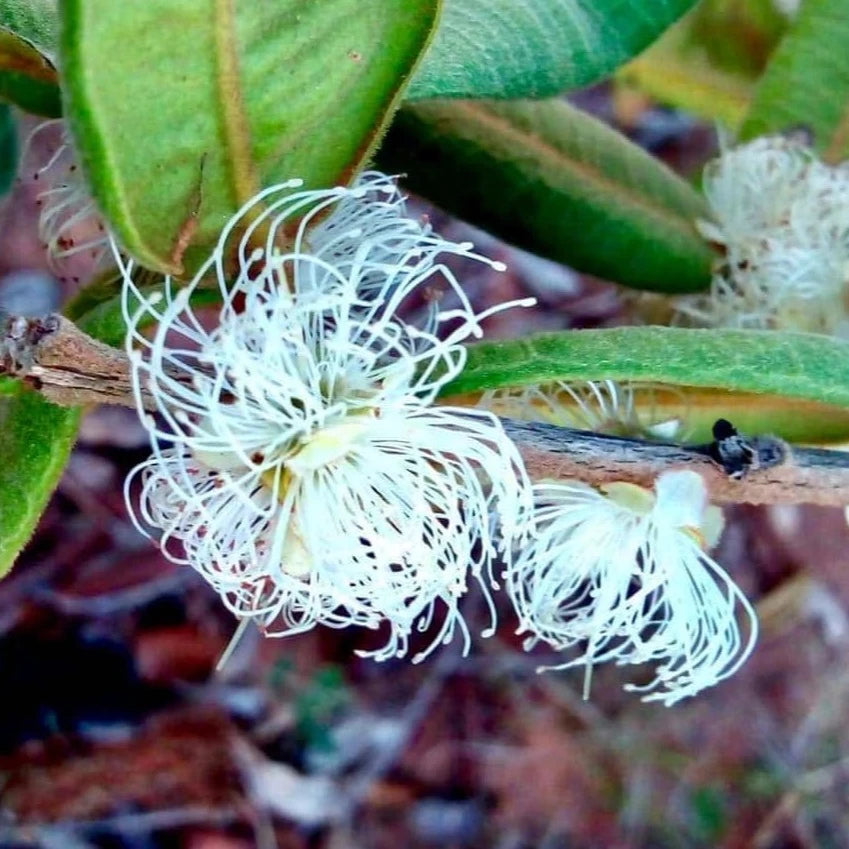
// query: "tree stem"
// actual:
[[70, 368]]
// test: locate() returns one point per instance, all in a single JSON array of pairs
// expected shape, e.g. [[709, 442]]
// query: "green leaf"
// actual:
[[28, 75], [553, 180], [807, 81], [793, 384], [535, 48], [801, 365], [183, 109], [37, 439], [8, 149]]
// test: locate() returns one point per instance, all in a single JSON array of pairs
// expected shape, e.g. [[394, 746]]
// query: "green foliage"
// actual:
[[27, 55], [37, 439], [553, 180], [679, 73], [184, 109], [807, 82], [710, 815], [535, 48], [8, 148], [773, 370], [318, 703], [801, 365]]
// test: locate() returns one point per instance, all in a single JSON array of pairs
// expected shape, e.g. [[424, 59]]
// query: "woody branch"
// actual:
[[70, 368]]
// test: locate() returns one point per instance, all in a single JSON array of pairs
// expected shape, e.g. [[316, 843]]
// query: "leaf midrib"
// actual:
[[230, 91], [581, 169]]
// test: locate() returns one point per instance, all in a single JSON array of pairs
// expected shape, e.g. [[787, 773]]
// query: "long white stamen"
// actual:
[[631, 408], [69, 223], [300, 468]]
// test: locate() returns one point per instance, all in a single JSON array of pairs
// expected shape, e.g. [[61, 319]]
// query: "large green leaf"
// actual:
[[8, 148], [184, 107], [535, 48], [792, 384], [37, 439], [27, 55], [807, 81], [801, 365], [555, 181]]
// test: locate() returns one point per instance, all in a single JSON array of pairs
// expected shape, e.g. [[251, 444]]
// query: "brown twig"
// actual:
[[808, 475], [70, 368], [63, 363]]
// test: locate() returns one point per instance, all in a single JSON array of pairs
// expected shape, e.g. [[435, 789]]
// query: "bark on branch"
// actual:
[[70, 368]]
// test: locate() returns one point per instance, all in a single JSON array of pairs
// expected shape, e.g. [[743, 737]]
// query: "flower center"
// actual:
[[326, 446]]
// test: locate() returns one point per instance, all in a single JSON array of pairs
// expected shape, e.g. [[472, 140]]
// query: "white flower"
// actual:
[[782, 217], [360, 234], [302, 469], [68, 222], [623, 575], [604, 406]]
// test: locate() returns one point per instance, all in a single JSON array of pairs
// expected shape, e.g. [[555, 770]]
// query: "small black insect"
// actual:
[[738, 454]]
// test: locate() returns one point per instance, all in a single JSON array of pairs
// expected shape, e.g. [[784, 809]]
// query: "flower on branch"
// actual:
[[622, 575], [298, 461], [68, 223], [781, 216]]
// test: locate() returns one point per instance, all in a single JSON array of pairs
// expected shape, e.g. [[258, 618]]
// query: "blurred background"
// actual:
[[117, 732]]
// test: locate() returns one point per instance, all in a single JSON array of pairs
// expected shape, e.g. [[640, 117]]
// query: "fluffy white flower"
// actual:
[[604, 406], [68, 222], [623, 576], [302, 468], [782, 217]]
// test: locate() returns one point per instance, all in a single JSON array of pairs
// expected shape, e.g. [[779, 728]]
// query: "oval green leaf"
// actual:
[[535, 48], [37, 439], [555, 181], [792, 384], [28, 75], [807, 81], [183, 109]]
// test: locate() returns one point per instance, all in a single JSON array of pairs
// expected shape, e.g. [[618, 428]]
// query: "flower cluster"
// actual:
[[301, 465], [781, 217]]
